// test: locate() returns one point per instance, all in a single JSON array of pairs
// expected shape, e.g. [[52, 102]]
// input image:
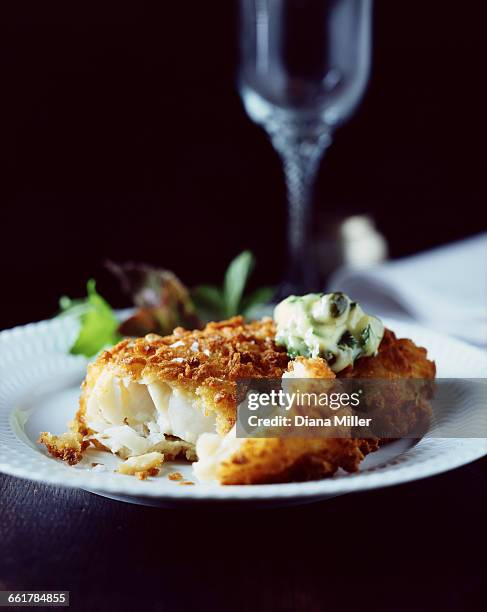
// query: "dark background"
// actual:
[[123, 136]]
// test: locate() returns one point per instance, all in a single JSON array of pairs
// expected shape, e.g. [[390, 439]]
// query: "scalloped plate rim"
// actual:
[[52, 336]]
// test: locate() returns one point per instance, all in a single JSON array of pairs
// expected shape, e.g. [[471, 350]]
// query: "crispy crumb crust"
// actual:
[[209, 360], [274, 460], [221, 352], [146, 473], [69, 446], [402, 409], [396, 358], [175, 476], [315, 367], [142, 466]]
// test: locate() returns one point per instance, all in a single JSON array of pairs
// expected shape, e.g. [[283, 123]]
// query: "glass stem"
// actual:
[[301, 153]]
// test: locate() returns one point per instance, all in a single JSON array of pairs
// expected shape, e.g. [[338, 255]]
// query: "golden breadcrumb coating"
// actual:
[[271, 460], [209, 360], [175, 476], [68, 446], [142, 466], [400, 408], [396, 358], [223, 352]]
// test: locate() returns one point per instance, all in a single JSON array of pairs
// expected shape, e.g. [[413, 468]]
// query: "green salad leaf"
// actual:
[[99, 325], [229, 300], [162, 303], [235, 280]]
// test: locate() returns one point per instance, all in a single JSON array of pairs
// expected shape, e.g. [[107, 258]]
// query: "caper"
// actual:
[[338, 304]]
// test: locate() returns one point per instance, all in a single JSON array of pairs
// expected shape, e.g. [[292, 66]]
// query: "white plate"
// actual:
[[39, 386]]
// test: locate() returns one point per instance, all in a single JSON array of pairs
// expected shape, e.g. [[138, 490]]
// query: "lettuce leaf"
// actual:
[[227, 301], [99, 325]]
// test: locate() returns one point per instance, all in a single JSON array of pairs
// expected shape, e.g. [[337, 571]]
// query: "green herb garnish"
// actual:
[[347, 340], [229, 300], [98, 322], [162, 302], [365, 336]]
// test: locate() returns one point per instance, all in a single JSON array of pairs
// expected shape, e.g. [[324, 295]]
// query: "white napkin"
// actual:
[[444, 289]]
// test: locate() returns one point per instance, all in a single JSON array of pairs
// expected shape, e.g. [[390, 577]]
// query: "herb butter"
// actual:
[[329, 326]]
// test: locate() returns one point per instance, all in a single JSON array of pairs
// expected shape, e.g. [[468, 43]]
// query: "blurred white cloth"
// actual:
[[444, 289]]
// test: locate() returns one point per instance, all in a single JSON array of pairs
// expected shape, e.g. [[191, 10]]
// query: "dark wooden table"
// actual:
[[419, 546]]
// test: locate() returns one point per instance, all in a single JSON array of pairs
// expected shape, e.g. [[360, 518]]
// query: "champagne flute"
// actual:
[[304, 65]]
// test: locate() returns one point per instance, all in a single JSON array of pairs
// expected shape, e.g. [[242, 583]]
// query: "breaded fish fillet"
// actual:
[[161, 393], [177, 395]]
